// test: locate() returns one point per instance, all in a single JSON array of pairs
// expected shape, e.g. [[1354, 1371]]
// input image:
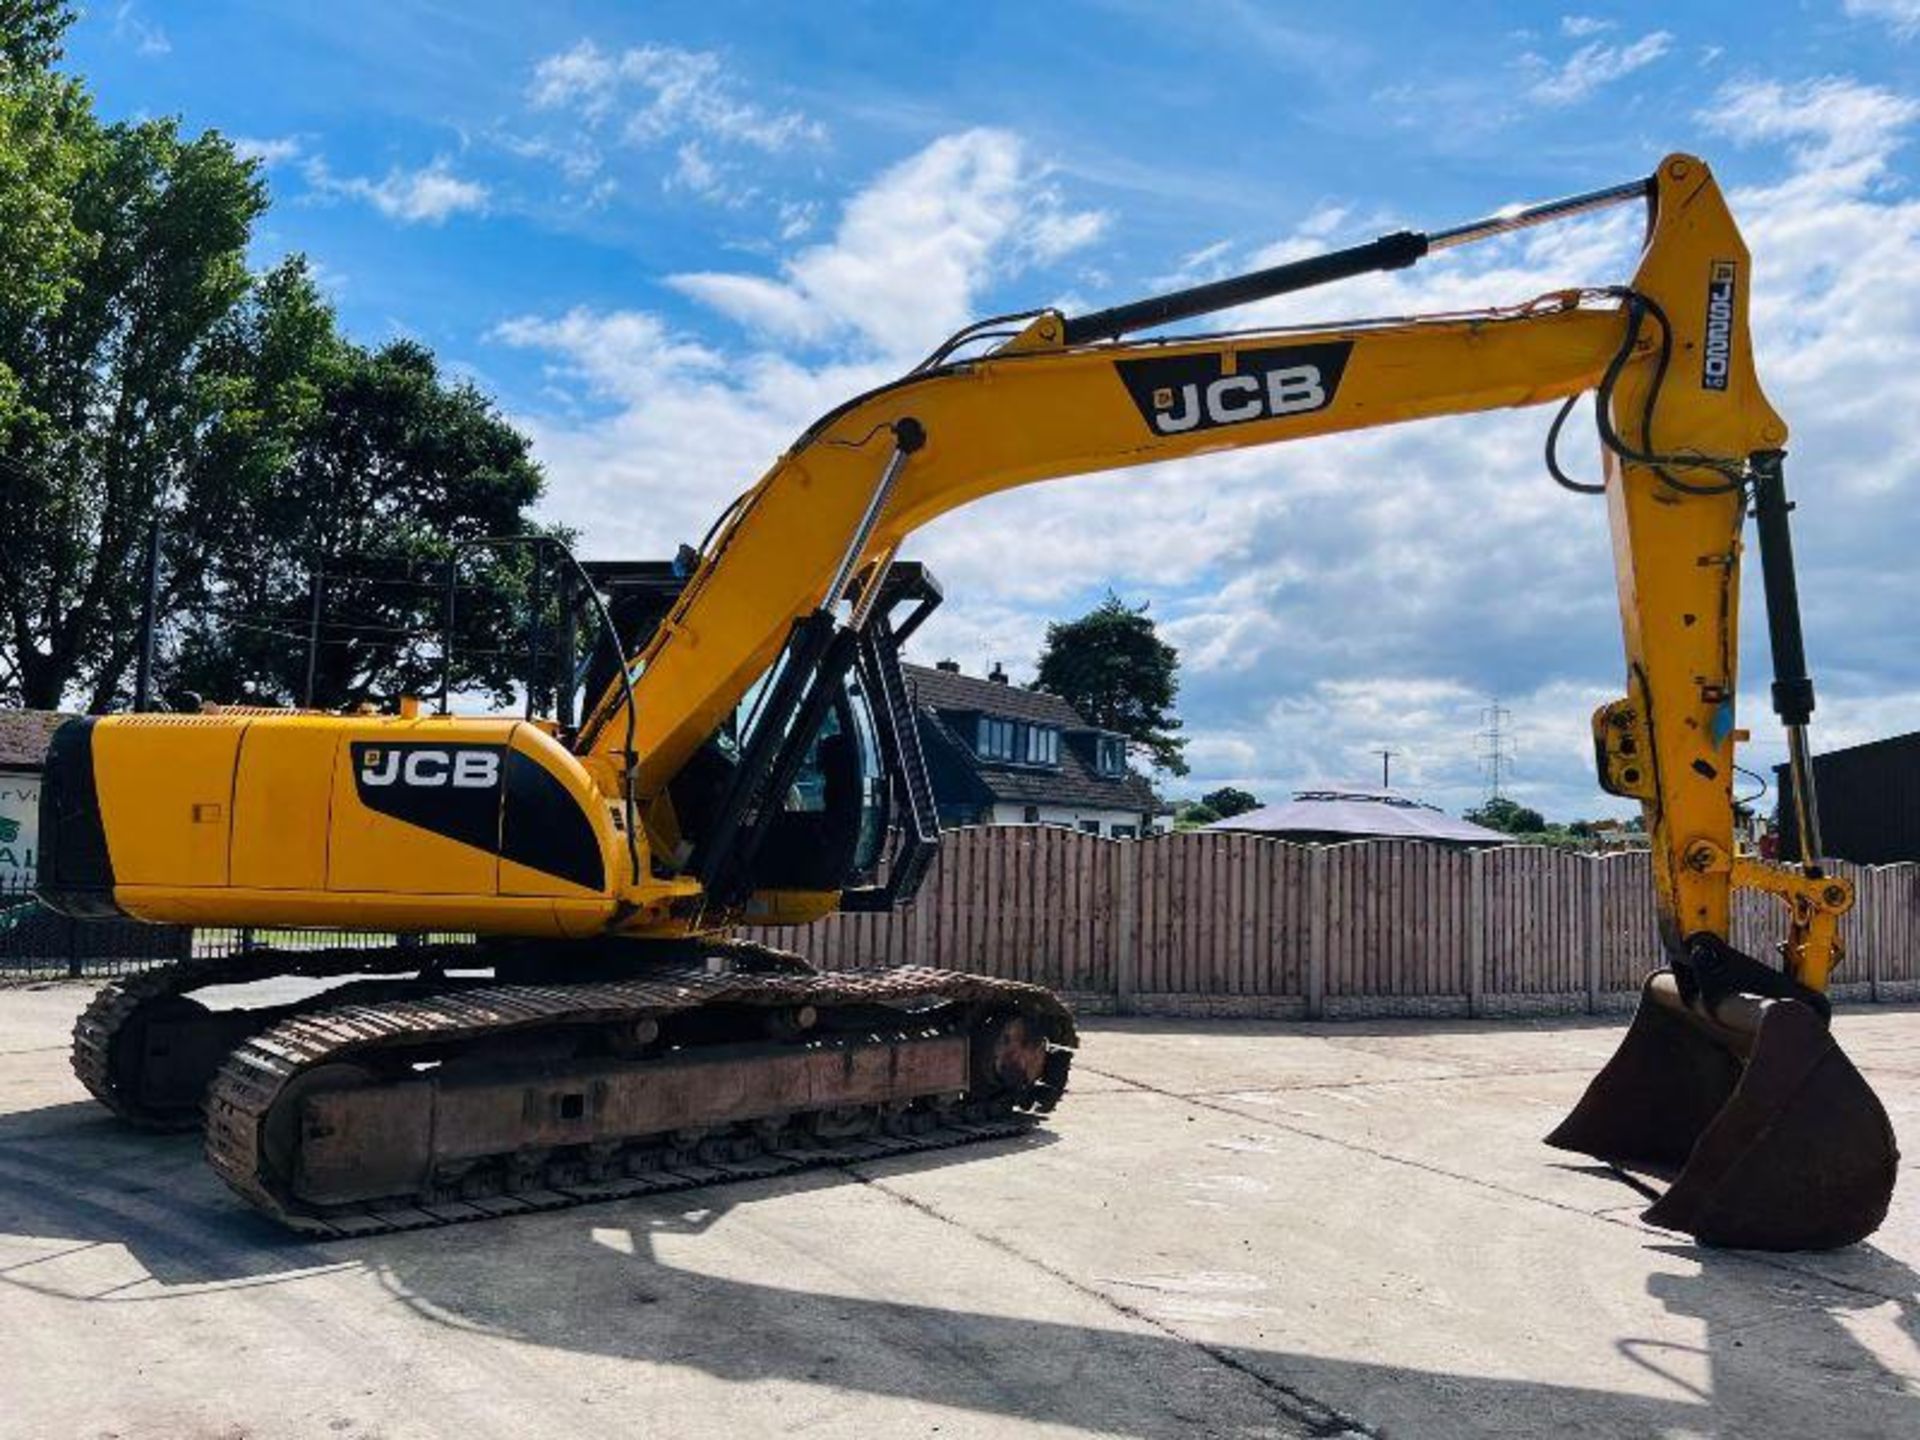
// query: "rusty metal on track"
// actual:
[[1021, 1059]]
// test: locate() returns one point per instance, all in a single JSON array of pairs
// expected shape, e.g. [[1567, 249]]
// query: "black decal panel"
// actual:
[[76, 871], [1181, 393], [1716, 353], [545, 828], [450, 789]]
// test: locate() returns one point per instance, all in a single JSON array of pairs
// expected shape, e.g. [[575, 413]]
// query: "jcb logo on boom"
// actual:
[[1233, 398], [1177, 393], [430, 767]]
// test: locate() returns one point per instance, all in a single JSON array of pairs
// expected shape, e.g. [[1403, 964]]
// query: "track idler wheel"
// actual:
[[1769, 1135]]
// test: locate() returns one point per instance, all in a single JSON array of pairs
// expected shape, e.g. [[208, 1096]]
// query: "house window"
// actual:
[[1089, 827], [1110, 755], [998, 739], [1125, 832], [995, 739], [1032, 815]]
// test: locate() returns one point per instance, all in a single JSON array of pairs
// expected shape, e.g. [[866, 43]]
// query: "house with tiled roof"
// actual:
[[1001, 755]]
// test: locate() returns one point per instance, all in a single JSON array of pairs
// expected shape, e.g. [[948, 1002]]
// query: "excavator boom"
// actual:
[[671, 815]]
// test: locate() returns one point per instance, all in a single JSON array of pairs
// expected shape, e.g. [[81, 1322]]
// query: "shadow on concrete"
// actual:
[[1402, 1025], [1780, 1353], [1375, 1026], [74, 1173]]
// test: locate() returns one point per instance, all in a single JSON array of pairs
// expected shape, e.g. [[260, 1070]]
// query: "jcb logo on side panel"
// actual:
[[1181, 393], [1716, 354], [453, 790], [430, 767]]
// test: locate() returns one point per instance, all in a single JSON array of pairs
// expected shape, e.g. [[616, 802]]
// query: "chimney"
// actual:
[[952, 667], [997, 675]]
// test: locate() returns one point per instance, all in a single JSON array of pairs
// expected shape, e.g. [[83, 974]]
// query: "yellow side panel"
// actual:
[[166, 797], [517, 879], [374, 852], [280, 806]]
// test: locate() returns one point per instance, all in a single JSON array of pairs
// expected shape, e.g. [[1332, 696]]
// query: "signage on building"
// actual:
[[19, 828]]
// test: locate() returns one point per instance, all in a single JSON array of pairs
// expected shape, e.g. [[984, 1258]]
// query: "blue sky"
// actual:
[[665, 236]]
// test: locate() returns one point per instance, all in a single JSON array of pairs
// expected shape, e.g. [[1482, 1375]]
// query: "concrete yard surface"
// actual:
[[1230, 1228]]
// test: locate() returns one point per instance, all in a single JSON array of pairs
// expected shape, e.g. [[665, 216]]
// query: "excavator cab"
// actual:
[[814, 784]]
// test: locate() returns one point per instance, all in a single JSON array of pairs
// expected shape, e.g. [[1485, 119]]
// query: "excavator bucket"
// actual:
[[1769, 1136]]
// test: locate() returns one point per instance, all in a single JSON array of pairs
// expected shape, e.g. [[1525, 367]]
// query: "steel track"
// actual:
[[322, 1031], [259, 1072]]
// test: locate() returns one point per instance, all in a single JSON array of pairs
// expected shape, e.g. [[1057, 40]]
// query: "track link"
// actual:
[[120, 1004], [258, 1074]]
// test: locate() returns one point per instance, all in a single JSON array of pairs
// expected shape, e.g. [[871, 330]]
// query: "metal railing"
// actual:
[[36, 941]]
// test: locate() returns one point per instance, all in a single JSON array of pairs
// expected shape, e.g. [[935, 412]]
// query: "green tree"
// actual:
[[370, 467], [1193, 814], [1229, 801], [145, 372], [1112, 666], [108, 402], [46, 143], [30, 32], [1508, 816]]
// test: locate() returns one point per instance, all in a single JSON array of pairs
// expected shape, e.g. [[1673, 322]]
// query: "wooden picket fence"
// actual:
[[1209, 923]]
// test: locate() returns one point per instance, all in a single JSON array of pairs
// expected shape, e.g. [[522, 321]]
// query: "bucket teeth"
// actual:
[[1769, 1135]]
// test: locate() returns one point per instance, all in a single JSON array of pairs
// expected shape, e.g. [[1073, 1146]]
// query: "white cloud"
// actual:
[[1057, 232], [658, 96], [1594, 65], [270, 152], [678, 428], [132, 28], [912, 251], [797, 218], [623, 354], [765, 305], [576, 156], [429, 195], [1207, 262], [1837, 129], [1581, 27], [1902, 16], [1360, 591], [664, 92], [582, 79], [695, 171]]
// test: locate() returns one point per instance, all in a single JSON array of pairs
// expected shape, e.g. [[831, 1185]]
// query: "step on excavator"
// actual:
[[752, 758]]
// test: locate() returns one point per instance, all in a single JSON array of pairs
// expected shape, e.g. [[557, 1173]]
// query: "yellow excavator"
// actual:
[[753, 758]]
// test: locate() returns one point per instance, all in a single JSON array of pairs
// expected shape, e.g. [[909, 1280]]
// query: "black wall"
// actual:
[[1869, 802]]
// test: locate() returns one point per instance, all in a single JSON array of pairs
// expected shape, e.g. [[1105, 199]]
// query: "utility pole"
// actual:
[[149, 619], [1386, 767], [568, 653], [1496, 746], [447, 617], [316, 587]]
